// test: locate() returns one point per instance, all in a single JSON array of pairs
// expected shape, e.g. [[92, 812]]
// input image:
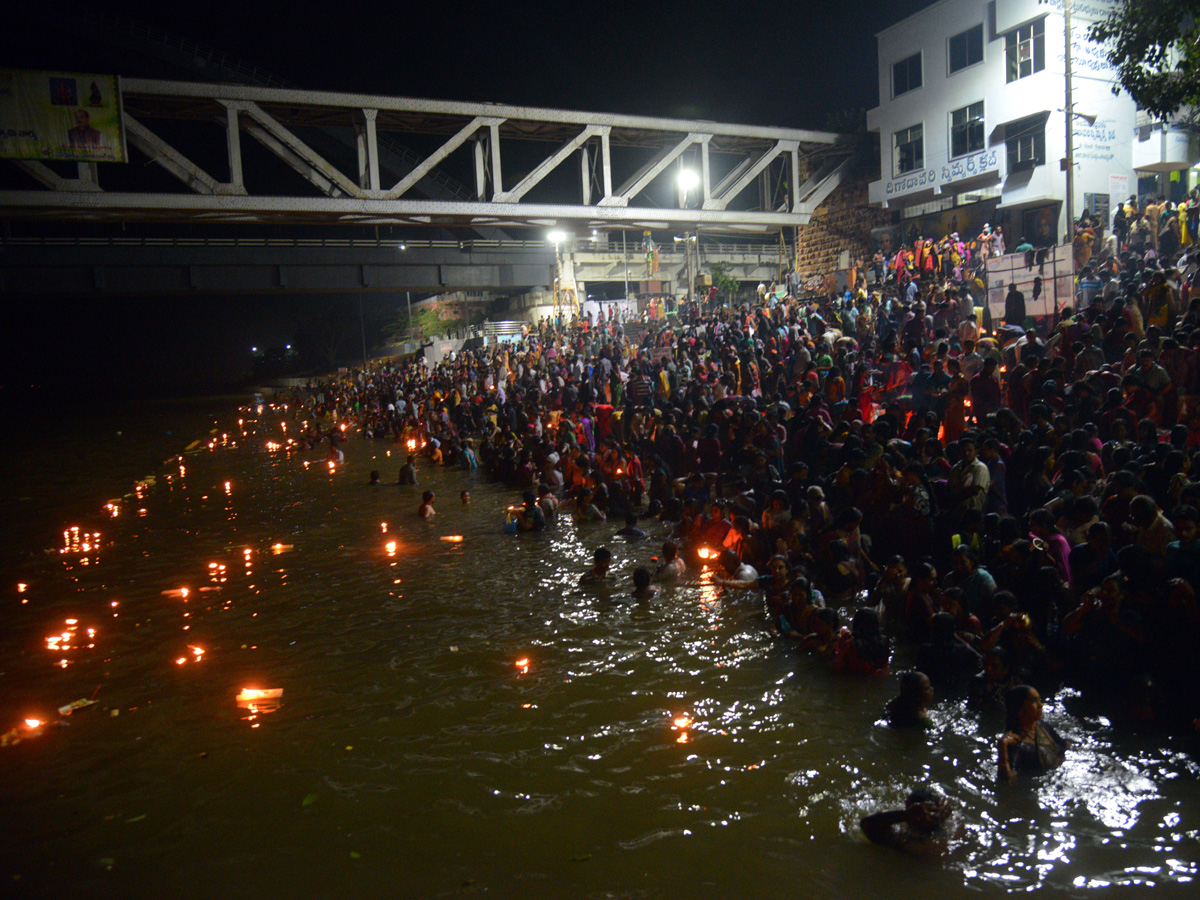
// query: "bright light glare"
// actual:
[[556, 237], [688, 179]]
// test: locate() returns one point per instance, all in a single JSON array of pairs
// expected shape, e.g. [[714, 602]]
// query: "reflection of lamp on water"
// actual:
[[258, 700], [523, 665], [248, 694], [681, 724]]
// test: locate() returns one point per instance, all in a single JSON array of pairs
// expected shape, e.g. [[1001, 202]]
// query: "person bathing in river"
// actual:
[[670, 567], [408, 471], [737, 573], [642, 588], [910, 709], [530, 516], [601, 560], [631, 532], [1027, 747], [924, 827], [426, 510]]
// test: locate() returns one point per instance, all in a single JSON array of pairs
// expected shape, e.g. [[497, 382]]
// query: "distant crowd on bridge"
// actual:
[[1002, 504]]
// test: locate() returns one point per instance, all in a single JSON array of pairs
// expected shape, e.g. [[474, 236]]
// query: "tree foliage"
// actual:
[[727, 286], [1155, 47]]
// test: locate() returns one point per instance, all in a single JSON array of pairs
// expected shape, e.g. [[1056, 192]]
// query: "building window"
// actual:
[[906, 75], [966, 49], [1025, 50], [966, 130], [1026, 144], [910, 149]]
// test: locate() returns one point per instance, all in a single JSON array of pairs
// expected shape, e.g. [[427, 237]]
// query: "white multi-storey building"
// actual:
[[972, 127]]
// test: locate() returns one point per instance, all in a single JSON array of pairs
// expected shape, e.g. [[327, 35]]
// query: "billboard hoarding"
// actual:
[[60, 115]]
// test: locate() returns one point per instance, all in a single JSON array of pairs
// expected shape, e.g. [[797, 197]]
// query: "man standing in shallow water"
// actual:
[[426, 510]]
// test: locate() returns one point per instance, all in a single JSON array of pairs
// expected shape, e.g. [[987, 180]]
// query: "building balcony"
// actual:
[[1159, 147]]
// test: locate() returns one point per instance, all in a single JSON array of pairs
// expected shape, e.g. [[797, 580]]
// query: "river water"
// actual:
[[458, 718]]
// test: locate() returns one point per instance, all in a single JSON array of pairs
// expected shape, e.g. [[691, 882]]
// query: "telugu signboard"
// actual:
[[981, 163], [60, 115]]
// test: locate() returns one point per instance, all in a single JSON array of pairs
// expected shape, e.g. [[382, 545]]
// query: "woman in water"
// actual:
[[1027, 746], [910, 709], [864, 648]]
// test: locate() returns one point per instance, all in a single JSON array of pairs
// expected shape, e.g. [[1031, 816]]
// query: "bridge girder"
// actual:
[[164, 266], [728, 157]]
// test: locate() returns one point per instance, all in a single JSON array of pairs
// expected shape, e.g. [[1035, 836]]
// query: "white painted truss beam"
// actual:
[[726, 191], [639, 181], [815, 191], [288, 96], [405, 184], [268, 209], [549, 164], [51, 179], [297, 149], [173, 161]]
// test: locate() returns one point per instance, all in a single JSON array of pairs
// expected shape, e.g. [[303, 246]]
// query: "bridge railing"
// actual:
[[707, 248]]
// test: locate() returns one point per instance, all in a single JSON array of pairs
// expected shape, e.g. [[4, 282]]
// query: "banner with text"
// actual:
[[60, 115]]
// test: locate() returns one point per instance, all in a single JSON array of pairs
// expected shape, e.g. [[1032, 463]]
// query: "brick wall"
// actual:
[[843, 222]]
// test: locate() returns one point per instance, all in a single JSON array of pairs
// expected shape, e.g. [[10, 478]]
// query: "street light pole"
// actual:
[[1069, 114], [687, 253], [688, 180], [625, 259]]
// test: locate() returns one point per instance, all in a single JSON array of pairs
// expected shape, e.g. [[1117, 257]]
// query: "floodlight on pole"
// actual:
[[556, 237]]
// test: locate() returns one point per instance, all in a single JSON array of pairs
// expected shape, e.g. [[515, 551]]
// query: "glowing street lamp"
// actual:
[[688, 181]]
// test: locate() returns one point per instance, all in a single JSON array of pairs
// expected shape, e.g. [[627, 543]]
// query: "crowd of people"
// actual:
[[1010, 507]]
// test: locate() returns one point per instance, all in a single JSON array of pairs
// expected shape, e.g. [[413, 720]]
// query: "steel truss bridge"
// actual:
[[625, 167]]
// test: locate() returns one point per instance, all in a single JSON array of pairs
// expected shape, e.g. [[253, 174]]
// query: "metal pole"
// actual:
[[1070, 117], [687, 255], [363, 330], [625, 259], [408, 300]]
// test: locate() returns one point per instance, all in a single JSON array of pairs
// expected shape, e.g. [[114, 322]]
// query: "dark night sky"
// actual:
[[781, 63]]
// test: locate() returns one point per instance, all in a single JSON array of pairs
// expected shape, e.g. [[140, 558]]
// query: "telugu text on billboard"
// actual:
[[60, 115]]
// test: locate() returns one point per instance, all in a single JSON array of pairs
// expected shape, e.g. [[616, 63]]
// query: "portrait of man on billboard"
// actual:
[[83, 135]]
